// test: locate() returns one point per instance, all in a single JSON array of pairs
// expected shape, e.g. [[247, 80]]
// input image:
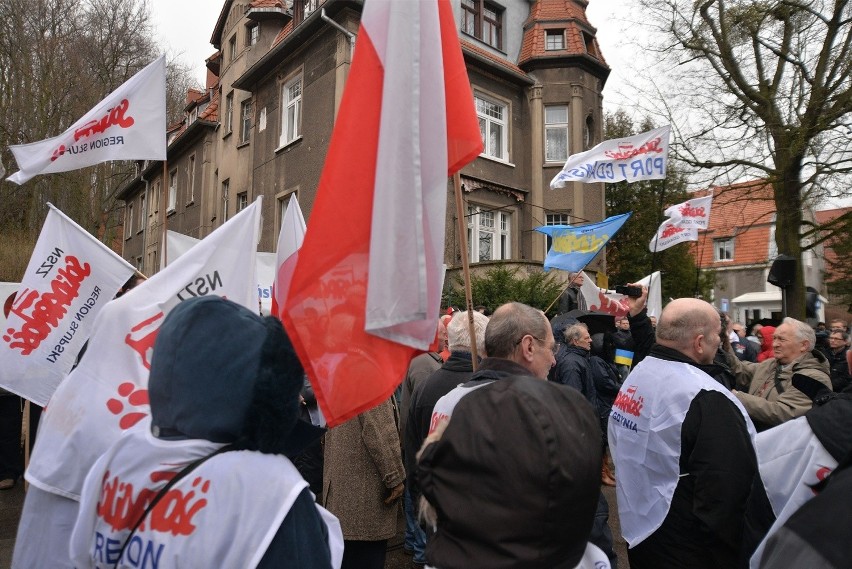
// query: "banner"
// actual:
[[639, 157], [70, 277], [601, 300], [107, 392], [574, 247], [178, 244], [129, 124], [685, 219]]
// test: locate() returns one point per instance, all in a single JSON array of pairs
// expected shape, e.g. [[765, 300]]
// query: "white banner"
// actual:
[[178, 244], [602, 300], [670, 233], [694, 213], [639, 157], [70, 277], [107, 392], [129, 124]]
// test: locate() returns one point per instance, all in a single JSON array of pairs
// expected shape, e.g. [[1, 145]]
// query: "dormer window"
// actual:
[[554, 40]]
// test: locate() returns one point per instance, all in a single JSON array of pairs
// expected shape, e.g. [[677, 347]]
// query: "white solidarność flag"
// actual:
[[640, 157], [685, 219], [602, 300], [129, 124], [107, 392], [70, 277]]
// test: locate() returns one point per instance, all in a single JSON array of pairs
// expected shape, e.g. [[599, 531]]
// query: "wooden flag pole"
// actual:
[[25, 420], [468, 296]]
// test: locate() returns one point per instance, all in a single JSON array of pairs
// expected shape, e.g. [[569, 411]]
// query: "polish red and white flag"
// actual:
[[366, 291], [290, 239], [129, 124]]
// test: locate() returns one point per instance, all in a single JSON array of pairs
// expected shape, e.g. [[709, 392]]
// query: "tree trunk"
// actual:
[[788, 222]]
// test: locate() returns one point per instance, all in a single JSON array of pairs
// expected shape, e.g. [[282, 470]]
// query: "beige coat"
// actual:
[[362, 463], [766, 407]]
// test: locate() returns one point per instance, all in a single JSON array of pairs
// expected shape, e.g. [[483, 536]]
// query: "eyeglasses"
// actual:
[[738, 330], [554, 348]]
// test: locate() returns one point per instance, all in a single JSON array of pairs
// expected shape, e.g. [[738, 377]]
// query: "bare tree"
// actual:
[[58, 59], [763, 88]]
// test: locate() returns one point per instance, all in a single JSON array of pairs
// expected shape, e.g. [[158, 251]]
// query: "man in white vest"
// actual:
[[683, 448], [208, 484]]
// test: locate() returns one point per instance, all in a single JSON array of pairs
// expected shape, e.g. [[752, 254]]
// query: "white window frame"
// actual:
[[550, 37], [172, 191], [252, 34], [291, 129], [232, 48], [555, 218], [484, 110], [723, 250], [128, 220], [226, 188], [242, 201], [190, 177], [482, 221], [245, 121], [553, 126], [229, 113], [141, 213]]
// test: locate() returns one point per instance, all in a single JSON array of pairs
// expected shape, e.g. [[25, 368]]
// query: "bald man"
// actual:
[[683, 448]]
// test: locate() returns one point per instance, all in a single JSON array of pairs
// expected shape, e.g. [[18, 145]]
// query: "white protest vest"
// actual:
[[791, 460], [644, 438], [225, 513], [445, 405]]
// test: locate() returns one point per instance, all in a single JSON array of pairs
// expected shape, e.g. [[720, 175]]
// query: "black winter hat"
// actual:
[[515, 478], [220, 372]]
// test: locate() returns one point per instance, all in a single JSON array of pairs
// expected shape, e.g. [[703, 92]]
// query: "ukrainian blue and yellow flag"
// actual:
[[574, 247], [624, 357]]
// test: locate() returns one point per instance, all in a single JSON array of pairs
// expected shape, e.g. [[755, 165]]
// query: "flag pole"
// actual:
[[25, 420], [468, 296]]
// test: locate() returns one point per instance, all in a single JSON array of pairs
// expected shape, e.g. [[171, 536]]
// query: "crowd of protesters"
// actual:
[[728, 446]]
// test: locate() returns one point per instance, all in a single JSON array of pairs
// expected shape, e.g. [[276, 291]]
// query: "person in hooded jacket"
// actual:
[[534, 446], [224, 413], [765, 334]]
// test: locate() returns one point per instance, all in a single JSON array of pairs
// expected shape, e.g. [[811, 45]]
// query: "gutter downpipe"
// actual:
[[340, 28]]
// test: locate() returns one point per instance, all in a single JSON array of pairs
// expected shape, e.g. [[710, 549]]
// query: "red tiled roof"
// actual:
[[192, 95], [472, 47], [285, 31], [823, 217], [211, 113], [567, 15], [745, 212]]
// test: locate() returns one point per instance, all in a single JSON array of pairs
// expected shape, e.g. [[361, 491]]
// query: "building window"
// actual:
[[291, 111], [554, 40], [190, 178], [589, 133], [488, 234], [484, 21], [232, 48], [141, 213], [226, 186], [229, 112], [245, 120], [172, 191], [242, 201], [155, 196], [128, 221], [492, 126], [556, 133], [252, 34], [723, 249], [554, 219], [304, 8]]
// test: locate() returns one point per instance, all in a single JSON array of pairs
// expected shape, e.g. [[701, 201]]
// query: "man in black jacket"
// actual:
[[683, 450]]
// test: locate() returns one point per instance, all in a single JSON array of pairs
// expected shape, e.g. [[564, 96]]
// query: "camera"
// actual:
[[628, 290]]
